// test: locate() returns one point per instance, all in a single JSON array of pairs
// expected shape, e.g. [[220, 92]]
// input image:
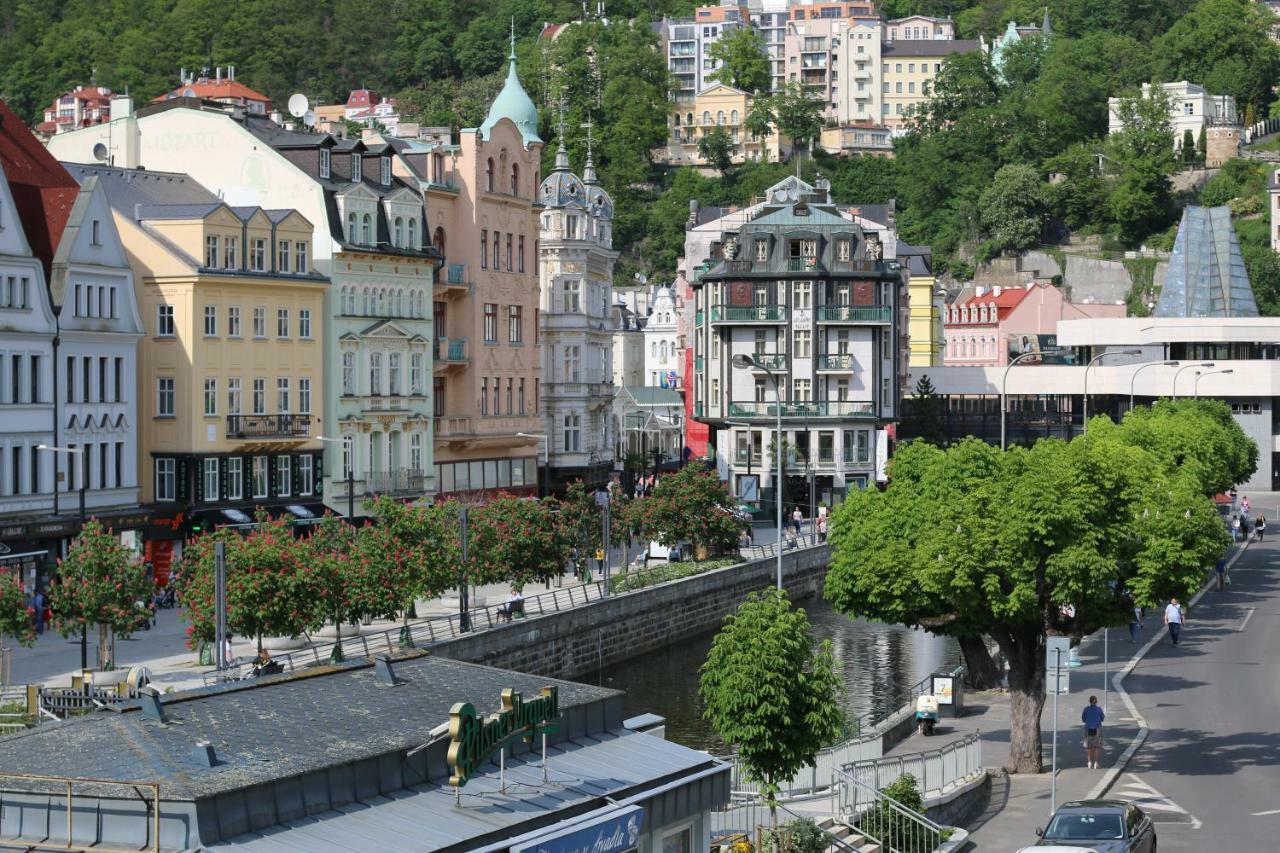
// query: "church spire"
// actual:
[[589, 170], [562, 155]]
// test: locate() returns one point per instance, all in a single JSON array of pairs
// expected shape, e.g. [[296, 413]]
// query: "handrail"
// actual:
[[894, 826], [51, 842], [935, 770]]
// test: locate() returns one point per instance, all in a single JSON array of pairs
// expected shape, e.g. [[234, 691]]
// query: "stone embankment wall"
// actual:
[[602, 633], [1086, 279]]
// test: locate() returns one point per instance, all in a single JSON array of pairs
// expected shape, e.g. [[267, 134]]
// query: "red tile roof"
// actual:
[[1004, 303], [43, 191], [361, 98], [216, 90]]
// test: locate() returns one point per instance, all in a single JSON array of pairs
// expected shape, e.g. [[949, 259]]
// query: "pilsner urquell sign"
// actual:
[[475, 739]]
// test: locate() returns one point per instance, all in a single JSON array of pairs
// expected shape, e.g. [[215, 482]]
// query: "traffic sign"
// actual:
[[1058, 681], [1057, 652]]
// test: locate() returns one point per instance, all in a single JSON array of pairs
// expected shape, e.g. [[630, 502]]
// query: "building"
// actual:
[[663, 360], [220, 89], [358, 765], [810, 48], [992, 327], [858, 99], [908, 70], [1193, 109], [771, 23], [851, 140], [628, 347], [649, 425], [575, 330], [75, 108], [1013, 34], [230, 364], [1207, 276], [719, 105], [364, 108], [799, 287], [919, 28], [687, 42], [925, 302], [1273, 206]]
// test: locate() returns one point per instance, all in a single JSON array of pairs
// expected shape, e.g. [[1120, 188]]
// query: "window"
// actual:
[[306, 474], [259, 476], [259, 322], [233, 321], [233, 396], [325, 154], [282, 395], [211, 251], [96, 233], [491, 322], [803, 390], [348, 373], [210, 397], [497, 384], [510, 386], [572, 296], [282, 322], [397, 231], [385, 171], [210, 321], [826, 446], [300, 257], [304, 323], [515, 179], [210, 470], [801, 295], [680, 841], [415, 374], [282, 256], [393, 373], [508, 253], [375, 373], [366, 230], [484, 396], [259, 396], [572, 432], [166, 479], [497, 250], [164, 396], [762, 250], [415, 451], [842, 390], [229, 259], [284, 475], [521, 397], [488, 175], [857, 446], [843, 249], [164, 321], [803, 343], [413, 233], [484, 248], [258, 255], [572, 360], [515, 328], [520, 255], [353, 228], [357, 173], [235, 478], [117, 479], [118, 379]]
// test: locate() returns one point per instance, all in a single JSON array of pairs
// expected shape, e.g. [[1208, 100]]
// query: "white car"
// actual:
[[1040, 848]]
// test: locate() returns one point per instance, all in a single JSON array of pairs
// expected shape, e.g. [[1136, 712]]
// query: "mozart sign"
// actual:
[[474, 739]]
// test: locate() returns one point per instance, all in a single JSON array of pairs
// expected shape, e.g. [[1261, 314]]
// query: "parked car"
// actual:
[[1102, 826]]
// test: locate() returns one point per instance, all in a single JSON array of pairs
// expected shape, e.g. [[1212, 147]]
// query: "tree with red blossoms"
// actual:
[[411, 553], [514, 540], [15, 621], [691, 505]]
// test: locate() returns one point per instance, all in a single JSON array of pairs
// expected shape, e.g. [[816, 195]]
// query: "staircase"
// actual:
[[844, 838]]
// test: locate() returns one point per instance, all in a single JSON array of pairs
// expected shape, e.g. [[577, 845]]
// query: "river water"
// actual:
[[877, 663]]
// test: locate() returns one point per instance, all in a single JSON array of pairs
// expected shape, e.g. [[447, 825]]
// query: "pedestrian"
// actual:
[[1174, 618], [1135, 619], [1092, 717], [1233, 495], [822, 529], [797, 519], [1260, 527], [1235, 529], [228, 657], [1244, 505], [1220, 570], [38, 601]]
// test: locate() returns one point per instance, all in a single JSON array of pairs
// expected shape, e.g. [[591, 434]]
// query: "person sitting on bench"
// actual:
[[514, 605], [264, 665]]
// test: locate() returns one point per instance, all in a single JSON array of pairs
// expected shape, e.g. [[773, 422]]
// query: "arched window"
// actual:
[[351, 228], [488, 175], [706, 116], [393, 370], [653, 349], [366, 230], [719, 117], [375, 373], [348, 373], [733, 118], [688, 119], [368, 303], [413, 233], [515, 179], [662, 352], [439, 239], [382, 302], [397, 232], [677, 119]]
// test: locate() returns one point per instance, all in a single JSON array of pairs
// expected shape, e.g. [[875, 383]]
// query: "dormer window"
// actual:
[[351, 228], [366, 230], [356, 175], [762, 250], [413, 233], [397, 232], [842, 250], [386, 171], [325, 154]]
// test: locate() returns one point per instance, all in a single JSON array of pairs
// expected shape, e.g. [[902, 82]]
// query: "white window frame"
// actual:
[[284, 475], [166, 479], [166, 396], [304, 396], [304, 323], [233, 321], [210, 321], [357, 167], [306, 474], [235, 478], [263, 471], [210, 397], [325, 162], [385, 175], [282, 323], [209, 475], [300, 257], [259, 323], [164, 321], [235, 399]]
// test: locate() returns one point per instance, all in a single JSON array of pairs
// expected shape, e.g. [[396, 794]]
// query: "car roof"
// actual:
[[1094, 806]]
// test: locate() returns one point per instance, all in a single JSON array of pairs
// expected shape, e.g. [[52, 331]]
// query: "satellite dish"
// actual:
[[100, 152], [309, 118], [297, 104]]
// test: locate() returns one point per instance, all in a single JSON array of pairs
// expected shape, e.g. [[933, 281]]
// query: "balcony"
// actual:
[[769, 361], [739, 265], [754, 314], [697, 319], [453, 427], [856, 264], [836, 361], [454, 282], [405, 481], [698, 361], [697, 410], [854, 314], [450, 355], [442, 184], [805, 265], [804, 409], [268, 426]]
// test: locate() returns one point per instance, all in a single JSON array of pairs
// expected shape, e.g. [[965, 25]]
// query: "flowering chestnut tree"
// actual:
[[15, 621], [691, 505], [100, 583], [514, 540]]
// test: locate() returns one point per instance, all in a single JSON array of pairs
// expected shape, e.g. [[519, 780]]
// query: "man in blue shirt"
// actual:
[[1092, 718]]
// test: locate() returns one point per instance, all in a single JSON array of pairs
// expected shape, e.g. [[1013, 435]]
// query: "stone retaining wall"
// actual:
[[602, 633]]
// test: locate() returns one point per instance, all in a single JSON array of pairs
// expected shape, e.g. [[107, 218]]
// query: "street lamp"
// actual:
[[84, 482], [1004, 382], [546, 456], [1178, 373], [746, 362], [1099, 357], [347, 441], [1200, 376], [1134, 378]]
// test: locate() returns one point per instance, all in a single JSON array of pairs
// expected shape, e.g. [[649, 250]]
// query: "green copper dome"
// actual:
[[514, 103]]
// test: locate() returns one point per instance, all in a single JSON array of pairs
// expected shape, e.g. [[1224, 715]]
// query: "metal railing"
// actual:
[[268, 426], [769, 361], [804, 265], [89, 807], [816, 778], [802, 409], [754, 314], [835, 361], [451, 349], [853, 314], [884, 820], [936, 771], [401, 481], [750, 820]]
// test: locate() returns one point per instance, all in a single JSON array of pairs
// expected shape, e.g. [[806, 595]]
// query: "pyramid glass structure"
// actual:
[[1206, 275]]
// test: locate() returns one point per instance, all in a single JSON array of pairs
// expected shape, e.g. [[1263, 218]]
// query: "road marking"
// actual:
[[1150, 800], [1247, 617], [1261, 814]]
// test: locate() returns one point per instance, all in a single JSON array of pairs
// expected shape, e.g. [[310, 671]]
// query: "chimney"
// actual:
[[231, 72], [182, 77], [995, 291], [276, 117], [218, 74], [980, 291]]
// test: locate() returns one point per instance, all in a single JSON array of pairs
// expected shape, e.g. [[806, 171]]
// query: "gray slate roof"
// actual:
[[929, 48]]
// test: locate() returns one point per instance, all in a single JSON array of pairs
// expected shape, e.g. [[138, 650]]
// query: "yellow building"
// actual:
[[718, 105], [908, 69], [230, 365], [925, 317]]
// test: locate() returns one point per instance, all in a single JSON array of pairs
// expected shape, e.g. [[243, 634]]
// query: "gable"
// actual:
[[386, 329], [357, 192], [13, 240], [77, 245]]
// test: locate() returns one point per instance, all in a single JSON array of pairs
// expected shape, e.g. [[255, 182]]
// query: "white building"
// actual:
[[687, 41], [663, 358], [575, 267], [857, 64], [1190, 108]]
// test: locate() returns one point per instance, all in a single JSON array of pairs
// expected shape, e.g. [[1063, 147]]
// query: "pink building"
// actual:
[[988, 327]]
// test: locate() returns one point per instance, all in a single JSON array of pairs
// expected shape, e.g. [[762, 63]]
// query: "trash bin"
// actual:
[[948, 687]]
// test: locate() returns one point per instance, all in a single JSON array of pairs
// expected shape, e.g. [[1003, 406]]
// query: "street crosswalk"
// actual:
[[1158, 807]]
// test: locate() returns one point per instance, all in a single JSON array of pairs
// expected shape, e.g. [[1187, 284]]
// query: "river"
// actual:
[[876, 664]]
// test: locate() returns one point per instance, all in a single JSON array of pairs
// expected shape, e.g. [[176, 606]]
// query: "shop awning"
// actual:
[[235, 516], [306, 513], [19, 550]]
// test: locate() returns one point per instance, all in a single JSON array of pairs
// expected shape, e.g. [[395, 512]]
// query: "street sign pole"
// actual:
[[220, 602], [1106, 651], [1053, 785], [1058, 675], [464, 615]]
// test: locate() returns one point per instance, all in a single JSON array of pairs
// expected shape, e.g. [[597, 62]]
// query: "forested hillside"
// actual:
[[971, 180]]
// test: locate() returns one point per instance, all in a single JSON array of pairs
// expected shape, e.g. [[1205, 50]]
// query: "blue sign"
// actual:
[[616, 832]]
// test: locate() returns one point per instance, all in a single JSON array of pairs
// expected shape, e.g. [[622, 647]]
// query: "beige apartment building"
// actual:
[[908, 68], [719, 105]]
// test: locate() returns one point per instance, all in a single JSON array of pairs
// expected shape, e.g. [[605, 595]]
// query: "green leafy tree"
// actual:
[[513, 540], [743, 62], [716, 148], [100, 583], [692, 505], [1013, 208], [1187, 150], [1000, 543], [1225, 46], [771, 691], [760, 120], [580, 519], [797, 114], [1078, 197], [1141, 152], [15, 621], [923, 419]]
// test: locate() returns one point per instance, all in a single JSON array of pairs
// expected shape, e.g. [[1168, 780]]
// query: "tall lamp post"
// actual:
[[1200, 376], [546, 457], [1004, 381], [1099, 357], [347, 441], [1134, 378], [746, 362], [84, 482], [1178, 373]]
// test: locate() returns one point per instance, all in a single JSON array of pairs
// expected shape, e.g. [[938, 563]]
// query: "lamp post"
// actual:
[[1004, 380], [1099, 357], [746, 362], [1200, 376], [1134, 378], [347, 441], [546, 457], [84, 482], [1178, 373]]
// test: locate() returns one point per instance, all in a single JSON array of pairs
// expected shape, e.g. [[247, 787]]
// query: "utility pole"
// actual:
[[220, 601], [464, 617]]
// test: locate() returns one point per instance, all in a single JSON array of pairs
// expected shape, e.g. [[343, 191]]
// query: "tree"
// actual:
[[15, 621], [580, 520], [923, 419], [1000, 543], [1013, 208], [513, 540], [1079, 195], [418, 544], [1142, 154], [760, 121], [99, 583], [1187, 150], [797, 114], [771, 691], [743, 62], [692, 505], [1225, 46], [716, 148]]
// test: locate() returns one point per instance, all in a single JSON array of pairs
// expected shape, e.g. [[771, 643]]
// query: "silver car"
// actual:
[[1104, 826]]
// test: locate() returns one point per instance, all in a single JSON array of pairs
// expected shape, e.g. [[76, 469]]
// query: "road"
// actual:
[[1213, 754]]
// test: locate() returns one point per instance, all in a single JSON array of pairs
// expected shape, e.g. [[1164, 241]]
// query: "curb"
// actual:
[[1117, 682]]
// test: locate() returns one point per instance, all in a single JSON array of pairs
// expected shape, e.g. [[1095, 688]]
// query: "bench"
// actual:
[[511, 610]]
